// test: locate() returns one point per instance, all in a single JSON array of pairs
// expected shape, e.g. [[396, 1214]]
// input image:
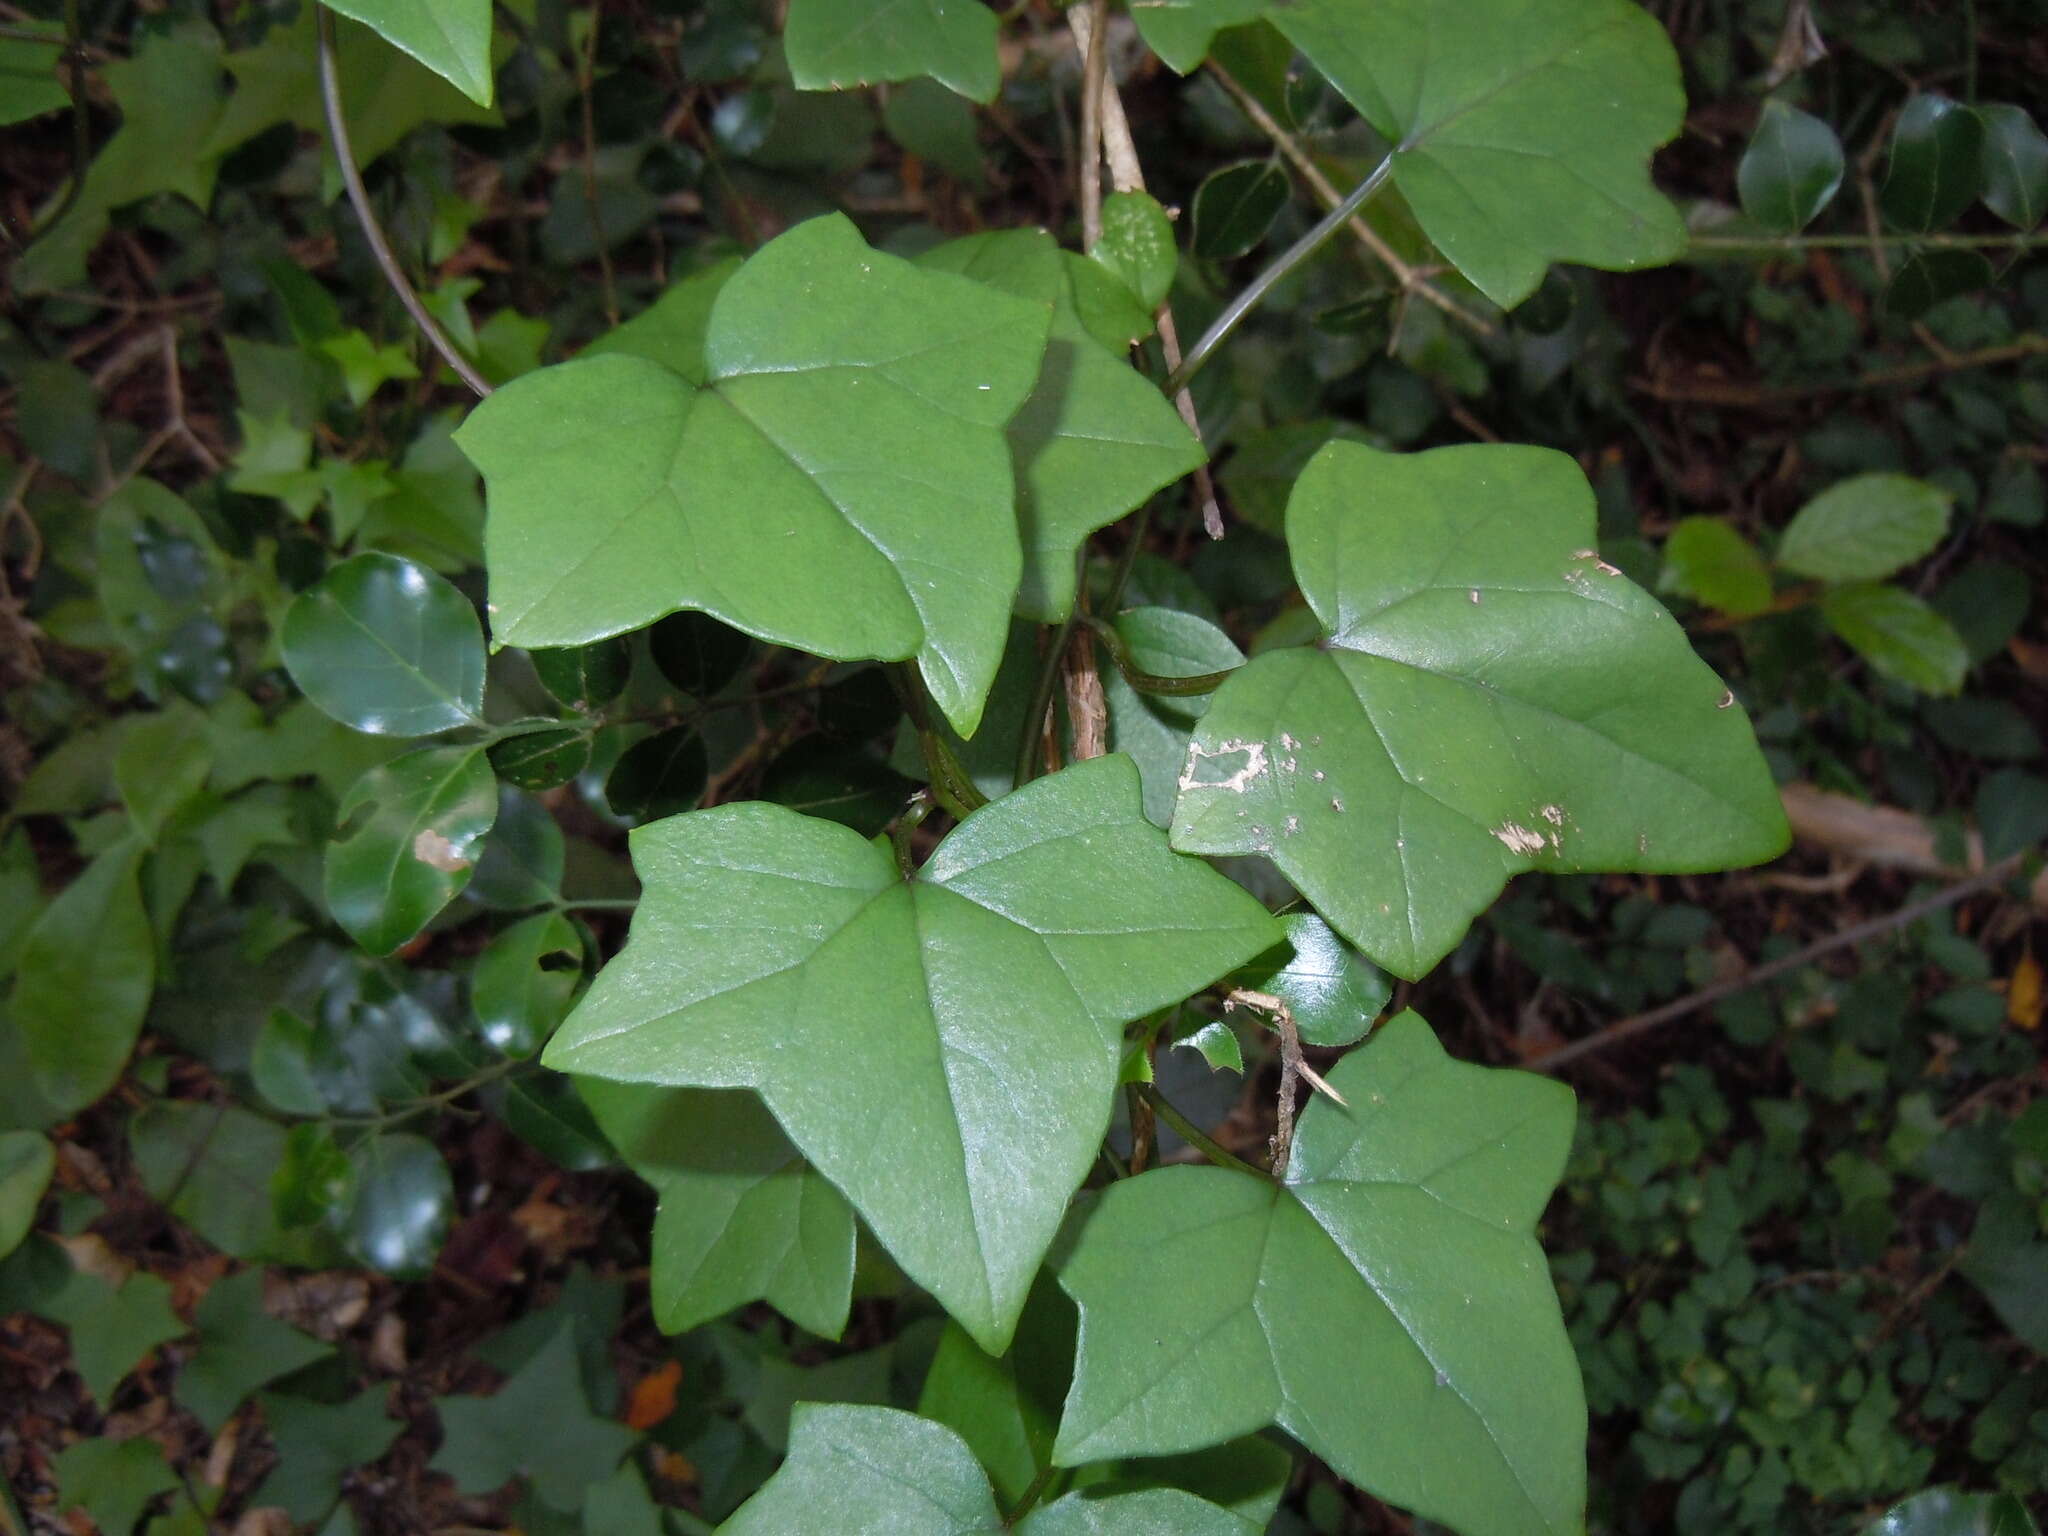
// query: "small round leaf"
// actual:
[[1137, 245], [541, 760], [413, 829], [584, 676], [1932, 276], [1236, 206], [1937, 165], [696, 652], [662, 775], [1791, 170], [386, 646], [525, 981], [26, 1163], [404, 1202], [2015, 165]]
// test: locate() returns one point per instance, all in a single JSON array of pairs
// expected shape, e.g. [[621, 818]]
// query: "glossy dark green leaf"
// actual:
[[1492, 697], [1137, 245], [541, 760], [1791, 170], [875, 526], [523, 858], [404, 1202], [1236, 206], [1095, 438], [1865, 528], [80, 1006], [318, 1444], [937, 126], [387, 647], [2012, 811], [524, 982], [1937, 163], [981, 1004], [742, 1217], [1898, 634], [584, 677], [1333, 992], [487, 1441], [659, 775], [2015, 165], [1007, 1408], [1951, 1512], [1400, 1251], [412, 831], [697, 653], [543, 1111], [835, 45], [240, 1349], [26, 1162], [1926, 278], [1706, 560], [450, 37], [839, 783]]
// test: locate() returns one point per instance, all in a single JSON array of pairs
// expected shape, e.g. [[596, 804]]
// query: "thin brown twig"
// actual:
[[1127, 175], [1088, 174], [1715, 392], [373, 232], [1412, 281], [1856, 933]]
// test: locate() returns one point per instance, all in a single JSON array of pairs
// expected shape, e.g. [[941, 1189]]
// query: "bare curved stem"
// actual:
[[1234, 313], [359, 197]]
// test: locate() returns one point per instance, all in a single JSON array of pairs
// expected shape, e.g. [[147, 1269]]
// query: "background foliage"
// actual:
[[298, 1222]]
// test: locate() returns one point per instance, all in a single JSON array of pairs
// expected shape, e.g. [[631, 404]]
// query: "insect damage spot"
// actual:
[[436, 852], [1727, 699], [1238, 763], [1519, 839]]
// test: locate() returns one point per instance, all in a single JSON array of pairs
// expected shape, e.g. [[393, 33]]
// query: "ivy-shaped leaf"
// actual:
[[943, 1048], [317, 1445], [834, 45], [1491, 697], [840, 484], [113, 1328], [450, 37], [742, 1217], [1522, 129], [1397, 1259], [486, 1441], [883, 1472], [1095, 438], [241, 1348]]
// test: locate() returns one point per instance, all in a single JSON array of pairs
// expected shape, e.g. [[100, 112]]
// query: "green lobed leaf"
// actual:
[[211, 1166], [1095, 439], [1491, 697], [1791, 170], [742, 1216], [386, 646], [1937, 163], [1865, 528], [411, 836], [450, 37], [113, 1480], [2015, 165], [487, 1441], [1137, 245], [240, 1348], [854, 406], [835, 45], [318, 1444], [114, 1328], [1522, 129], [943, 1049], [1898, 634], [880, 1471], [1399, 1252], [1706, 560], [671, 330], [1007, 1409], [79, 1007], [26, 1162]]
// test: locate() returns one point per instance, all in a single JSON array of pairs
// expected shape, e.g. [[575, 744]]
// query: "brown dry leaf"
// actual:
[[2023, 995], [557, 1231], [2032, 657], [654, 1395], [387, 1345], [91, 1255], [325, 1305], [264, 1521]]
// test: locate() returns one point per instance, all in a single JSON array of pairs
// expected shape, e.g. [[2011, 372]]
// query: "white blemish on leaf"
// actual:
[[1554, 814], [1288, 741], [1519, 839], [1336, 804], [1475, 595], [1319, 775], [436, 852], [1253, 752], [1293, 825], [1727, 699]]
